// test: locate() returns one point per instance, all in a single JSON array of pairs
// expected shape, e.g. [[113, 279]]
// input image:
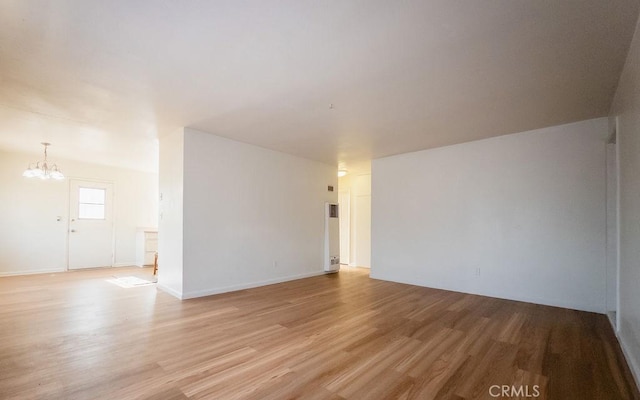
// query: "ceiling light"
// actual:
[[42, 170], [342, 172]]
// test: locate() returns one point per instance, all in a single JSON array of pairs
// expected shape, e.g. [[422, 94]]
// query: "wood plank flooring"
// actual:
[[343, 336]]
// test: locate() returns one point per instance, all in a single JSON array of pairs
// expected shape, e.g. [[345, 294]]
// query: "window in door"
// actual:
[[91, 203]]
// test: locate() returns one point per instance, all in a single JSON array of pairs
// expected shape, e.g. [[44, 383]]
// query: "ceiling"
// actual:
[[339, 81]]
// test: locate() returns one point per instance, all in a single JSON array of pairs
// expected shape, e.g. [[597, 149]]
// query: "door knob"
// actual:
[[73, 230]]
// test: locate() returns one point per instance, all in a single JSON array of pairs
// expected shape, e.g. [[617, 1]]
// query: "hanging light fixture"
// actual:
[[42, 169]]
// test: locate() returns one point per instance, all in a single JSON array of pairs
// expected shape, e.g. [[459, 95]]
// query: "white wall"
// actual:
[[170, 225], [32, 240], [521, 216], [626, 108], [251, 216]]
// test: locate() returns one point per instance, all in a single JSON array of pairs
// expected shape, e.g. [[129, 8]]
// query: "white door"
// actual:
[[363, 231], [90, 224], [613, 229], [345, 219]]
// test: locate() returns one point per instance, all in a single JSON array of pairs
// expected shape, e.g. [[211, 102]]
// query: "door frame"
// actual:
[[616, 137], [113, 211]]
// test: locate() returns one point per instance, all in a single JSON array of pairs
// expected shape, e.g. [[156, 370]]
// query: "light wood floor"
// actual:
[[76, 336]]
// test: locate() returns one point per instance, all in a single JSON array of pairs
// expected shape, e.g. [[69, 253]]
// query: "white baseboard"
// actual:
[[125, 264], [33, 272], [58, 270], [524, 299], [170, 291], [631, 361], [242, 286]]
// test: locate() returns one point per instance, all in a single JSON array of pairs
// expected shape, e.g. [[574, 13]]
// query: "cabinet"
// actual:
[[146, 246]]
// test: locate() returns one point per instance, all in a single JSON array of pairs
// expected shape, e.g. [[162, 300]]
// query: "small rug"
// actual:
[[130, 281]]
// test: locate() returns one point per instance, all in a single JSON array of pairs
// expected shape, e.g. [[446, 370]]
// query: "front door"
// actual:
[[91, 236]]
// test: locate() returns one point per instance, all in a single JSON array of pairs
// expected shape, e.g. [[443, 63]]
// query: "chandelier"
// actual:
[[42, 169]]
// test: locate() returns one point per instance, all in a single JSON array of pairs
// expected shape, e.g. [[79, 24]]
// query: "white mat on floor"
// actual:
[[133, 281]]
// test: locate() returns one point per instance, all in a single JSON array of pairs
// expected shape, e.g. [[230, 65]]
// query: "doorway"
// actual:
[[344, 199], [613, 226], [355, 219], [91, 224], [363, 230]]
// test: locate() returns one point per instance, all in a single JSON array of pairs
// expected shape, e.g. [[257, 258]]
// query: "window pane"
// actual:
[[91, 196], [91, 211]]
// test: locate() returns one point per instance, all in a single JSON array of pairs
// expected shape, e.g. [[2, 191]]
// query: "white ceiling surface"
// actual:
[[102, 80]]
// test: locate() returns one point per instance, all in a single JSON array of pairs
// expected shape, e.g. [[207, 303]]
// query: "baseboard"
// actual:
[[170, 291], [125, 264], [524, 299], [33, 272], [233, 288], [611, 316], [631, 361], [57, 270]]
